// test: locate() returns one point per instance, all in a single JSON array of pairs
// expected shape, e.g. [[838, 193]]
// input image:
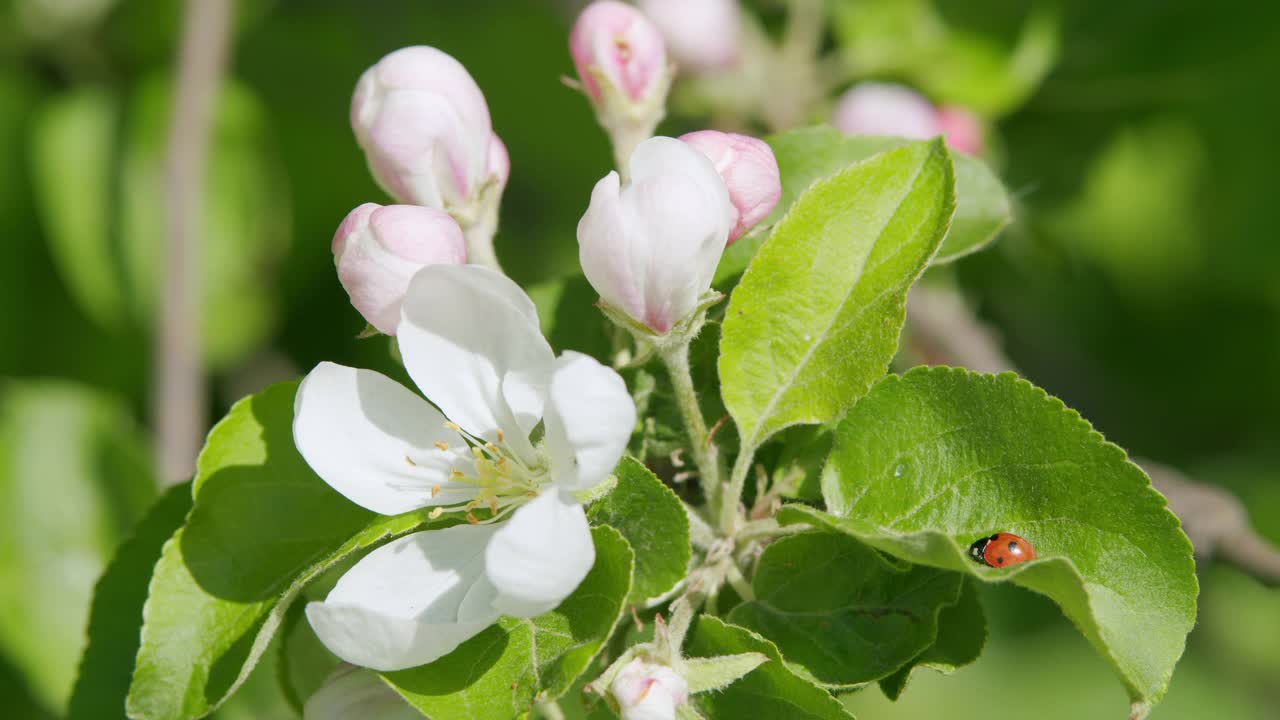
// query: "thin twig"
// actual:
[[1214, 519], [179, 379]]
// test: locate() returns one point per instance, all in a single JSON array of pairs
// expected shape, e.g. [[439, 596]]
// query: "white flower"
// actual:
[[650, 248], [351, 692], [648, 691], [527, 431]]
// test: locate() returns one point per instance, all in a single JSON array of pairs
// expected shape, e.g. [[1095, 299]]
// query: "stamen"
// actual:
[[442, 445], [472, 519], [435, 490], [410, 461], [500, 436], [452, 426], [493, 505], [435, 513]]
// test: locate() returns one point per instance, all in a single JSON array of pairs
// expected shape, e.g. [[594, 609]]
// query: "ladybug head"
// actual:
[[977, 548]]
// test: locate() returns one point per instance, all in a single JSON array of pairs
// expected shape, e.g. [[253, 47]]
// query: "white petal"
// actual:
[[398, 607], [352, 692], [539, 556], [589, 419], [373, 440], [470, 340]]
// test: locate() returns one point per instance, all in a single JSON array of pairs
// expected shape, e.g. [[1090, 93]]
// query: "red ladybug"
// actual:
[[1002, 550]]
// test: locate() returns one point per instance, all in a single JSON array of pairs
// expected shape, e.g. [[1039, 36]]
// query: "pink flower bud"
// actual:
[[615, 44], [379, 249], [883, 109], [648, 691], [650, 247], [701, 35], [963, 129], [425, 128], [749, 170], [499, 165]]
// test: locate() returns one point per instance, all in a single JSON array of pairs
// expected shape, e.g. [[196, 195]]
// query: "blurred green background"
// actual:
[[1141, 282]]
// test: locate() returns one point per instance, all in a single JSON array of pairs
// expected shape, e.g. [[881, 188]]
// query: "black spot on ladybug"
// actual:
[[1000, 561], [1013, 547]]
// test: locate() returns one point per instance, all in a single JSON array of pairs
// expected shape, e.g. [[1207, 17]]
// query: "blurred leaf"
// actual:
[[654, 523], [843, 612], [263, 526], [770, 692], [817, 316], [73, 479], [246, 227], [303, 663], [72, 158], [971, 67], [107, 663], [962, 632], [569, 317], [497, 674], [929, 462]]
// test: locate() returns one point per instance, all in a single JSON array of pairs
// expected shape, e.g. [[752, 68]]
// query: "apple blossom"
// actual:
[[650, 247], [749, 171], [702, 35], [962, 128], [886, 109], [647, 690], [425, 129], [622, 64], [378, 249], [470, 341]]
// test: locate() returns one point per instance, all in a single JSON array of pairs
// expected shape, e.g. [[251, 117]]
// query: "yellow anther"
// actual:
[[500, 437], [442, 445], [410, 461], [435, 513], [477, 453], [472, 519], [452, 426], [435, 490], [457, 474], [491, 448], [493, 505]]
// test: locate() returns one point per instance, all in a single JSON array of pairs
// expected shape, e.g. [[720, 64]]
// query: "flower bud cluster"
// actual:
[[887, 109]]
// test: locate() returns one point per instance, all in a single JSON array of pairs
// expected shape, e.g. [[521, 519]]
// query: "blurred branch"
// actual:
[[180, 403], [945, 331]]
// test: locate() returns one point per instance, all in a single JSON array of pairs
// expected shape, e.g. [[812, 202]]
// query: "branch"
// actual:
[[180, 404], [944, 329]]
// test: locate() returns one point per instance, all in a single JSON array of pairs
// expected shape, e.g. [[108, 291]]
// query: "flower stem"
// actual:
[[737, 481], [479, 236], [705, 455], [550, 710]]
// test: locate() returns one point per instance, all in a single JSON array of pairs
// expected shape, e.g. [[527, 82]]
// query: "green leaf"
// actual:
[[962, 632], [817, 316], [770, 692], [841, 611], [116, 615], [72, 170], [262, 527], [73, 480], [304, 663], [653, 520], [499, 673], [717, 673], [929, 462]]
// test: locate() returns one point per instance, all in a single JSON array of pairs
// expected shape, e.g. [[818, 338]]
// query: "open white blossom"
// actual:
[[526, 430]]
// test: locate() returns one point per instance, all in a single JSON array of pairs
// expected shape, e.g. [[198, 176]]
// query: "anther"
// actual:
[[442, 445], [472, 519], [500, 437], [435, 490], [410, 461], [435, 513], [452, 426]]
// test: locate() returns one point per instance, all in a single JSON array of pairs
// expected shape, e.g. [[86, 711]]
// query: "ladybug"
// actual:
[[1002, 550]]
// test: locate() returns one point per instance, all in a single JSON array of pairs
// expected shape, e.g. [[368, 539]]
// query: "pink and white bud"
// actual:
[[884, 109], [648, 691], [622, 62], [650, 247], [425, 129], [963, 129], [379, 249], [701, 35], [749, 171]]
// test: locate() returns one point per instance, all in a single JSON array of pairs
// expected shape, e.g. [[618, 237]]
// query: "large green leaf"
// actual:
[[841, 611], [929, 462], [654, 522], [962, 632], [816, 317], [983, 205], [772, 691], [107, 664], [74, 478], [498, 674], [263, 526]]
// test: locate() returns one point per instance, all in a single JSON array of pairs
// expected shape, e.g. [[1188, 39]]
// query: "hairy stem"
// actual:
[[550, 710], [733, 495], [479, 237], [179, 378], [705, 455]]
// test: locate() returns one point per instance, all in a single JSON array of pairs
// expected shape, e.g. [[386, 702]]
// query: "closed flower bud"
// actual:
[[962, 128], [424, 126], [884, 109], [749, 170], [702, 35], [379, 249], [622, 63], [648, 691], [650, 247]]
